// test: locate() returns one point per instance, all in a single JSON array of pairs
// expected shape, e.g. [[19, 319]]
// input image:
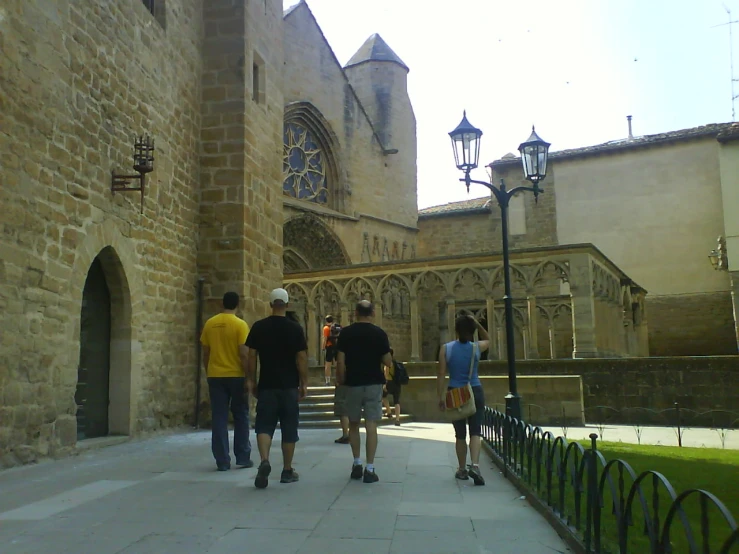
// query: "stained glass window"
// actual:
[[303, 165]]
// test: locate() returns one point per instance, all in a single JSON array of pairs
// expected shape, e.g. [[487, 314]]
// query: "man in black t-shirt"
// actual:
[[280, 345], [364, 350]]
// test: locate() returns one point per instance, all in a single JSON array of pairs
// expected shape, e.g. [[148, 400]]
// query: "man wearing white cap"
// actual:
[[280, 345]]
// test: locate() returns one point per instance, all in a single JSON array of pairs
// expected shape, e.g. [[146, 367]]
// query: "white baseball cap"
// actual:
[[278, 295]]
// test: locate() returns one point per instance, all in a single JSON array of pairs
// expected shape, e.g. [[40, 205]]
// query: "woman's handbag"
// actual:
[[459, 402]]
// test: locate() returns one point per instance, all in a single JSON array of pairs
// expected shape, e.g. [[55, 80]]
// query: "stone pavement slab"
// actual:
[[163, 495]]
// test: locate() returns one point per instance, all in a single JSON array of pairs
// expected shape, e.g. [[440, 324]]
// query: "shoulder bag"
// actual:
[[460, 402]]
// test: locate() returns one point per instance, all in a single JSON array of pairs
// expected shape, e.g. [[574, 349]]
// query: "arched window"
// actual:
[[310, 152]]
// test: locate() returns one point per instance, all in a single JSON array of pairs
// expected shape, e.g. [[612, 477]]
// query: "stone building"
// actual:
[[255, 125], [654, 205], [268, 154]]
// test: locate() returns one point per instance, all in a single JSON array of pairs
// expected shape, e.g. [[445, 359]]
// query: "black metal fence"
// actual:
[[679, 418], [604, 506]]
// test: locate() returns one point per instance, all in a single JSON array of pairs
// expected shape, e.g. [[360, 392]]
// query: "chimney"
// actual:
[[631, 135]]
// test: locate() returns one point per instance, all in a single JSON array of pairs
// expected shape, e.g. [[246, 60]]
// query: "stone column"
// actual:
[[552, 346], [378, 313], [583, 307], [415, 331], [451, 309], [344, 314], [526, 341], [492, 332], [499, 342], [532, 352], [313, 336]]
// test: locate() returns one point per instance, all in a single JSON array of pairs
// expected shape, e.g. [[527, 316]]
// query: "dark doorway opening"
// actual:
[[93, 374]]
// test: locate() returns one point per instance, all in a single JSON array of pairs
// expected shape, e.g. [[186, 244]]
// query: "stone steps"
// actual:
[[317, 410]]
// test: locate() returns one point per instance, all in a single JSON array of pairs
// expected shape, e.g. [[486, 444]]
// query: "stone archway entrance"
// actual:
[[93, 373], [310, 244], [104, 374]]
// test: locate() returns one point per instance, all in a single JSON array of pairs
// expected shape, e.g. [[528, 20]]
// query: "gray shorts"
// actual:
[[369, 398], [340, 401]]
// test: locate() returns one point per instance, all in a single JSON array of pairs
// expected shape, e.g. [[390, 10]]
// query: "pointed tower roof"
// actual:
[[375, 49]]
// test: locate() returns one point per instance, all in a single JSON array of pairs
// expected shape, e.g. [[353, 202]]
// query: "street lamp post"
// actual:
[[534, 155]]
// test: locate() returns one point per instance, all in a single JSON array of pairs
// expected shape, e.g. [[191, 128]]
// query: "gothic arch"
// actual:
[[303, 121], [105, 243], [420, 282], [309, 244]]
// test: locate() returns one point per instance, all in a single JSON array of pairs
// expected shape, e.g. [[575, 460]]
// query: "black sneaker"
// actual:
[[342, 440], [370, 476], [357, 471], [223, 467], [262, 474], [289, 476], [474, 473], [244, 464], [462, 475]]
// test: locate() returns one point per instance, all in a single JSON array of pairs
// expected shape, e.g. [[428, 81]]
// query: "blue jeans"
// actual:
[[228, 392]]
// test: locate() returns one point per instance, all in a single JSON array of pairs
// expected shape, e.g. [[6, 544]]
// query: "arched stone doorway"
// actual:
[[103, 391], [310, 244]]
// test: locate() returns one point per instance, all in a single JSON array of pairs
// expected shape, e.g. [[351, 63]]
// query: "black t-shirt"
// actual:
[[364, 344], [277, 340]]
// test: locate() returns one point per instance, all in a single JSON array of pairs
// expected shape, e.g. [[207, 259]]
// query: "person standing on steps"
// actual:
[[331, 332], [224, 358], [363, 350], [396, 376], [456, 358], [280, 345]]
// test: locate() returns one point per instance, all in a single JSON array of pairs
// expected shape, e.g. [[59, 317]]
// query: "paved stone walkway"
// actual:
[[163, 495]]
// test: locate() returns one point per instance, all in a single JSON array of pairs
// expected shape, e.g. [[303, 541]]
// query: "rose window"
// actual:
[[303, 165]]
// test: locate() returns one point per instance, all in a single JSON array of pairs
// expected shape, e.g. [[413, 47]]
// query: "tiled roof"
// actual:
[[375, 49], [715, 130], [454, 208], [731, 133]]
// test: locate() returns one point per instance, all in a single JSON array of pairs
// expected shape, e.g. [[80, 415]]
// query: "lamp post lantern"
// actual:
[[534, 156]]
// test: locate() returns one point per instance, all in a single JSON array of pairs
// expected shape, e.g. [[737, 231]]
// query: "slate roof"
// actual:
[[475, 205], [714, 130], [729, 134], [375, 49]]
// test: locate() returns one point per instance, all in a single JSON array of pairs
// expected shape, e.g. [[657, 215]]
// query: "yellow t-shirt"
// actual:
[[224, 333]]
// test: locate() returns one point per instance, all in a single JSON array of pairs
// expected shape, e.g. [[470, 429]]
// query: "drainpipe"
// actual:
[[198, 350]]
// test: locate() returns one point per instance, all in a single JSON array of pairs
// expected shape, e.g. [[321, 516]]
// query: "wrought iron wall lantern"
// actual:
[[143, 163], [719, 259]]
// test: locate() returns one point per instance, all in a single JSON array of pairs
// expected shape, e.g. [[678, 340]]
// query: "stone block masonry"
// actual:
[[699, 384], [79, 81]]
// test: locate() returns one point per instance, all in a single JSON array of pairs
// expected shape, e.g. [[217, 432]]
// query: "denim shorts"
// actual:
[[474, 422]]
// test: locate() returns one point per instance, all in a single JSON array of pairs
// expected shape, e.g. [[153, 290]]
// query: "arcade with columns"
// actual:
[[569, 302]]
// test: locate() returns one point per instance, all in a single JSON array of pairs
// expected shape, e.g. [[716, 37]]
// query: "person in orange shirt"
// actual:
[[225, 357], [330, 338]]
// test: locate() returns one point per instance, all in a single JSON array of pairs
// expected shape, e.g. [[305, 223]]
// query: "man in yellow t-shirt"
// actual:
[[224, 356]]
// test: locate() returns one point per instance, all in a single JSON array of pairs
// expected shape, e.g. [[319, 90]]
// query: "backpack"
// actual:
[[333, 332], [400, 374]]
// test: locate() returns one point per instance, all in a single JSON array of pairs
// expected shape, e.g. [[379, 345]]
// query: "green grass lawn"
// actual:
[[710, 469], [713, 470]]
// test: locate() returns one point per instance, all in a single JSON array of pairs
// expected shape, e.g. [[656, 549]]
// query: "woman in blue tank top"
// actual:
[[454, 360]]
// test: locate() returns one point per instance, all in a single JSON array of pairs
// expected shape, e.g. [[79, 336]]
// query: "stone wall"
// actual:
[[549, 397], [241, 172], [691, 324], [377, 190], [398, 329], [452, 234], [699, 384], [79, 81]]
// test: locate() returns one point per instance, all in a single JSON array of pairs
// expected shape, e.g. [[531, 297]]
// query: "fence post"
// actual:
[[679, 430], [592, 519]]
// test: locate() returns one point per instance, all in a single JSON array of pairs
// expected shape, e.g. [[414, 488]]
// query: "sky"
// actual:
[[573, 68]]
